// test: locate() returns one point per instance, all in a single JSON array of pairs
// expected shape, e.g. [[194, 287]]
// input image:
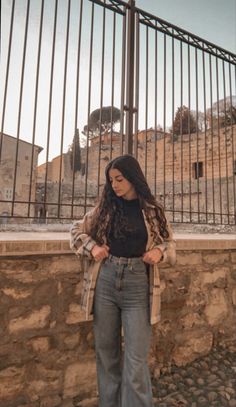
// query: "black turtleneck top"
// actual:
[[134, 242]]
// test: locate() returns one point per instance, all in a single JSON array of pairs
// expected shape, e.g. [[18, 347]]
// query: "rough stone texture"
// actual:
[[36, 320], [47, 349]]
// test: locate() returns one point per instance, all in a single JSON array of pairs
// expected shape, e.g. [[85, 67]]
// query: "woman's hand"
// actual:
[[153, 256], [100, 252]]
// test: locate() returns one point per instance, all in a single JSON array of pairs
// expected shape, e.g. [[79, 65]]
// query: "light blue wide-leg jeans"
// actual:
[[122, 299]]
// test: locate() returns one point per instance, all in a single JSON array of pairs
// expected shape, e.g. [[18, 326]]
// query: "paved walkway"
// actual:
[[206, 382]]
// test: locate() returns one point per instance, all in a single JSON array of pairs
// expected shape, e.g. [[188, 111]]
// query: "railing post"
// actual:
[[130, 79]]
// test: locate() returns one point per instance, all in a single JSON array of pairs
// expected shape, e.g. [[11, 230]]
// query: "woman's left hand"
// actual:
[[153, 256]]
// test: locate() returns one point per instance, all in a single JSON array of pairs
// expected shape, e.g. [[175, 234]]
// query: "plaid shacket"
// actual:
[[82, 244]]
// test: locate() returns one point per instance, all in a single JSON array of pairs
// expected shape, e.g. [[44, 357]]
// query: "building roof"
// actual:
[[20, 140]]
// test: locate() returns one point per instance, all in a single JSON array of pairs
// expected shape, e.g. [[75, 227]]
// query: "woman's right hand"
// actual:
[[100, 252]]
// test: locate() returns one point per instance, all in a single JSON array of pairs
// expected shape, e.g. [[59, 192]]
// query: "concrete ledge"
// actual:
[[30, 243]]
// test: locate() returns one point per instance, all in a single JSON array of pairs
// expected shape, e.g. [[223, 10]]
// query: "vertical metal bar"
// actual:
[[226, 146], [232, 143], [189, 135], [7, 76], [173, 116], [212, 142], [181, 130], [146, 106], [76, 100], [101, 99], [197, 139], [35, 103], [122, 98], [113, 80], [155, 110], [136, 88], [130, 79], [218, 132], [205, 134], [89, 103], [20, 105], [164, 127], [63, 109], [50, 104]]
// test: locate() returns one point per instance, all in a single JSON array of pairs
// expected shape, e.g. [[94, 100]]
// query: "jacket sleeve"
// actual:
[[81, 243], [168, 248]]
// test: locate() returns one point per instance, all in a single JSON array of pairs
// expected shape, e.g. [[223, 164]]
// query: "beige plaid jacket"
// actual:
[[82, 244]]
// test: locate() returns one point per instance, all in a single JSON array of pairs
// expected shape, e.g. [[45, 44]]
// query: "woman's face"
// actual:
[[121, 186]]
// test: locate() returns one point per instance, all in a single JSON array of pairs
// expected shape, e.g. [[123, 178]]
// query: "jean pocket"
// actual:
[[139, 268]]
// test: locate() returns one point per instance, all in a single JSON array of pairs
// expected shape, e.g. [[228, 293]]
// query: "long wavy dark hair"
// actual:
[[110, 213]]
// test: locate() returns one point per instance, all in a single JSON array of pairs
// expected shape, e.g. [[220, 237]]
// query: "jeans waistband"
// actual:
[[124, 260]]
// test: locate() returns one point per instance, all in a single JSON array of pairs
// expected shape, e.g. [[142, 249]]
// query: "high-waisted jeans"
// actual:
[[122, 299]]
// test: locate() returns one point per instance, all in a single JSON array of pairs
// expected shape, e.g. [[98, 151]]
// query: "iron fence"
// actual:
[[85, 81]]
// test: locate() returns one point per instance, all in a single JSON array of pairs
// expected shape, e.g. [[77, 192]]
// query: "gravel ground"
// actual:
[[206, 382], [209, 381]]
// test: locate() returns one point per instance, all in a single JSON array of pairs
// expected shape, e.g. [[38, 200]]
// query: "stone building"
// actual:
[[193, 175], [24, 176]]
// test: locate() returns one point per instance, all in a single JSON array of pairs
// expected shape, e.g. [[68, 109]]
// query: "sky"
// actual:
[[213, 20]]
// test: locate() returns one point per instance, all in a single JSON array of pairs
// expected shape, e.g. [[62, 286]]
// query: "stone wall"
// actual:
[[46, 347], [25, 154]]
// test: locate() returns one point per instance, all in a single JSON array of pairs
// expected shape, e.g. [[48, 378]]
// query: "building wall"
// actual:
[[170, 171], [47, 349], [7, 171]]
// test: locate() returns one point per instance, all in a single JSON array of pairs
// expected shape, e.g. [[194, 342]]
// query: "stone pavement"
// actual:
[[207, 382]]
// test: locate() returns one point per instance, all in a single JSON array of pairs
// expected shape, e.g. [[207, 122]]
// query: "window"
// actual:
[[197, 169], [8, 192]]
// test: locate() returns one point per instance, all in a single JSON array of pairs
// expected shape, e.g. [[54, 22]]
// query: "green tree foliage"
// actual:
[[184, 121], [75, 152], [102, 120]]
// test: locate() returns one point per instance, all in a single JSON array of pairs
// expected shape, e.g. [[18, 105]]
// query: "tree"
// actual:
[[184, 121], [102, 120], [222, 113], [228, 117], [75, 152]]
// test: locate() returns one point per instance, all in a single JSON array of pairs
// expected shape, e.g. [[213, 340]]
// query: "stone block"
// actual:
[[36, 320], [40, 344], [188, 259], [53, 401], [80, 377], [218, 278], [41, 388], [191, 320], [15, 293], [11, 382], [234, 296], [54, 246], [216, 258], [217, 308], [233, 256], [192, 344], [75, 314], [233, 272], [71, 341]]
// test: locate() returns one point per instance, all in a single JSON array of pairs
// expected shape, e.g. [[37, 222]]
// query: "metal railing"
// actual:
[[83, 82]]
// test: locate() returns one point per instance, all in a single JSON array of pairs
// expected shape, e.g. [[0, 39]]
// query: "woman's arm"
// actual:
[[168, 248], [81, 243]]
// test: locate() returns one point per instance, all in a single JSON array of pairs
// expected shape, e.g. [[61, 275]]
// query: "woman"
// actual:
[[120, 243]]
